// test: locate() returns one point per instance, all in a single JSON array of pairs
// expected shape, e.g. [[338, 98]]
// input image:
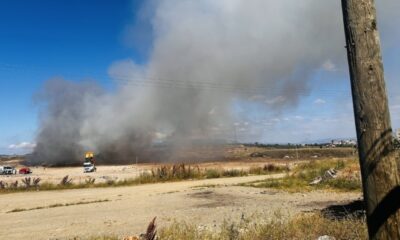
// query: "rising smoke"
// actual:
[[205, 55]]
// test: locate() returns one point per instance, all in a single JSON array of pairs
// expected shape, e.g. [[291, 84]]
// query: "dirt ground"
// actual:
[[54, 175], [127, 210]]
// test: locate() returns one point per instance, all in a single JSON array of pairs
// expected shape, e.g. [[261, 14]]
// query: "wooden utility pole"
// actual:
[[379, 167]]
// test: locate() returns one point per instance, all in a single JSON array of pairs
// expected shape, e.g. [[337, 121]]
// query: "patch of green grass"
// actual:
[[344, 184], [206, 186], [288, 183], [57, 205]]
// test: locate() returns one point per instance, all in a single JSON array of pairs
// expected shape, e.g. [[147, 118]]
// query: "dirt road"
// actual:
[[127, 210]]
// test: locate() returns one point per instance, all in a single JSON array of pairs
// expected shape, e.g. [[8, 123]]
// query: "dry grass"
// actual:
[[167, 173], [299, 180], [305, 226], [90, 181], [268, 168], [66, 181]]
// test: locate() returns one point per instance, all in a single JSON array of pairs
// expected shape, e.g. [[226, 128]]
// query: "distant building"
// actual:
[[398, 134], [343, 142]]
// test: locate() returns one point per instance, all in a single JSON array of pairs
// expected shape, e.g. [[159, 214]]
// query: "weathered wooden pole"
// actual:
[[379, 170]]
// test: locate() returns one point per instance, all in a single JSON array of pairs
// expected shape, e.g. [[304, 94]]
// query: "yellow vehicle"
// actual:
[[89, 155], [89, 164]]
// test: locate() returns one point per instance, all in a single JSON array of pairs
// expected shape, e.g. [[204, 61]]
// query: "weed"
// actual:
[[14, 185], [66, 181], [90, 181], [27, 182], [36, 182]]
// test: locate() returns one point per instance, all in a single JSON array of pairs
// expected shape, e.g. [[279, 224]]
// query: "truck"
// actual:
[[89, 163], [7, 170]]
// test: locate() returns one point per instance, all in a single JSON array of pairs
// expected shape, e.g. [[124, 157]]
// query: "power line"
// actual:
[[205, 85]]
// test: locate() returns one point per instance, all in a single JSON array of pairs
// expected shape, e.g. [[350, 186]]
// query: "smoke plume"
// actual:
[[204, 56]]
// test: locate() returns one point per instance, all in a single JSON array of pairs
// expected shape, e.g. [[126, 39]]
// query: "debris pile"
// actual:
[[329, 174]]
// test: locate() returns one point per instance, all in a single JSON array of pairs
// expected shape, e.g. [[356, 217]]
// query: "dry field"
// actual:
[[205, 203], [125, 211], [117, 173], [231, 157]]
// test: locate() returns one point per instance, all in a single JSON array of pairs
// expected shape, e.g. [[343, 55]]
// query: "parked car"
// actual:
[[24, 170], [7, 170]]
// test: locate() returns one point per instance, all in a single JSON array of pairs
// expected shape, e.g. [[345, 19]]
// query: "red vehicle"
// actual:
[[24, 170]]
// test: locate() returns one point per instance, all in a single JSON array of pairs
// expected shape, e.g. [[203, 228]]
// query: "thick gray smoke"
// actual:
[[59, 135], [205, 55]]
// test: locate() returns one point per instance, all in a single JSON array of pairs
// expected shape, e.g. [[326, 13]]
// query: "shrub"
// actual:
[[233, 173], [212, 173]]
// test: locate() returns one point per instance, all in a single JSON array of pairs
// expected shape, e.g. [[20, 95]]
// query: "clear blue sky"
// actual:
[[79, 39]]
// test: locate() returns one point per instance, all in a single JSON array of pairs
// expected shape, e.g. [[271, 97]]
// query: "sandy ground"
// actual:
[[127, 210], [103, 173]]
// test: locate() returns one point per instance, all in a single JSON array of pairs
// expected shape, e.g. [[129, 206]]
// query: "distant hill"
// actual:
[[4, 157]]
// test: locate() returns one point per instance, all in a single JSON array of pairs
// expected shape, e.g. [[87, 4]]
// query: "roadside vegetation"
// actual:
[[156, 175], [303, 226], [299, 180]]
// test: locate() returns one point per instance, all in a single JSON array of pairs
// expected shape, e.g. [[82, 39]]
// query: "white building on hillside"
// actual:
[[398, 133]]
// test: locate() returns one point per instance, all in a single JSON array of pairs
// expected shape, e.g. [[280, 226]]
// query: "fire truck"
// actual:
[[89, 163]]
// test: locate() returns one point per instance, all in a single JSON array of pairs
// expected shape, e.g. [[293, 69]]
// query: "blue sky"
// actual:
[[77, 40], [43, 39]]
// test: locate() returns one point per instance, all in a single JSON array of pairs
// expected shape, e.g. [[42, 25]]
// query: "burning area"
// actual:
[[197, 70]]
